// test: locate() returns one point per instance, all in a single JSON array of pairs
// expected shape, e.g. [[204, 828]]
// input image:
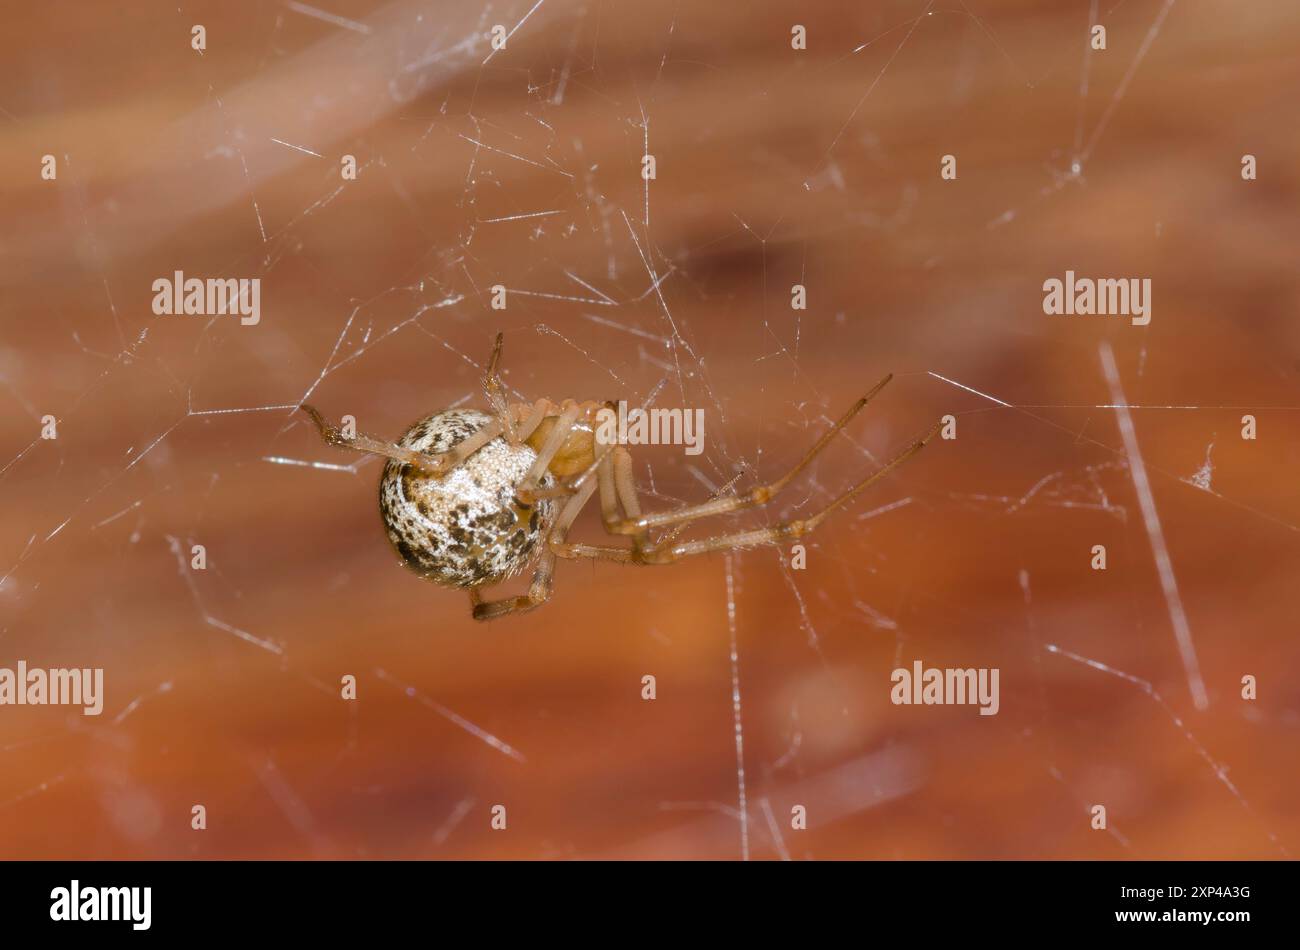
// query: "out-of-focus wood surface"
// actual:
[[774, 167]]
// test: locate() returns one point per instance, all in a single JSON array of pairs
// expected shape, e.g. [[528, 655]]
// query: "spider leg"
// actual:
[[785, 530], [625, 487], [609, 513], [617, 487], [683, 525], [529, 484], [539, 592], [539, 589], [570, 488], [530, 423], [436, 465], [496, 394], [666, 552], [597, 552], [636, 524]]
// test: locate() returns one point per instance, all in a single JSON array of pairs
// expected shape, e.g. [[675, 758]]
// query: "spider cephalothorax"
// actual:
[[472, 498]]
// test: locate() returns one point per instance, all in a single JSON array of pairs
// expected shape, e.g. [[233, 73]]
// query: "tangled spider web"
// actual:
[[771, 733]]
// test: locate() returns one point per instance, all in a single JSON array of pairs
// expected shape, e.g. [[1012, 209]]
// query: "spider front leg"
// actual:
[[786, 530], [638, 525], [436, 465], [496, 394], [666, 552]]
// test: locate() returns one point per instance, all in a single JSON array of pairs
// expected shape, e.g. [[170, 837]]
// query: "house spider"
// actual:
[[467, 496]]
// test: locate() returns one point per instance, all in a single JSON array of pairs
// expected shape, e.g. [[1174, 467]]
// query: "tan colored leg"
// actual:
[[625, 485], [529, 484], [530, 424], [787, 529], [760, 495], [609, 512], [542, 584], [496, 393], [436, 465], [539, 592]]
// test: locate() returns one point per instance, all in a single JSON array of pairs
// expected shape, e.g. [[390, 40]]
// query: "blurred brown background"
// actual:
[[774, 167]]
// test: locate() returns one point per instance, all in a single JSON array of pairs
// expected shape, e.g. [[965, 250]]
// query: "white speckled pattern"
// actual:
[[463, 530]]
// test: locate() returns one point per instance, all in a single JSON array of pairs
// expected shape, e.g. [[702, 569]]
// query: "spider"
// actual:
[[470, 499]]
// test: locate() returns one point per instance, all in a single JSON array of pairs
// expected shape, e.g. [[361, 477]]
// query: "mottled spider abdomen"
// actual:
[[463, 529]]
